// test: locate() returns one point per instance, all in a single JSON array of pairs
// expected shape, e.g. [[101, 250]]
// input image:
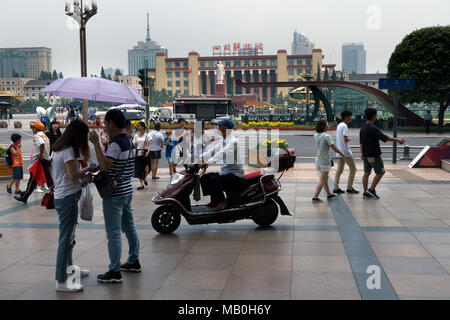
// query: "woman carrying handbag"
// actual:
[[72, 146]]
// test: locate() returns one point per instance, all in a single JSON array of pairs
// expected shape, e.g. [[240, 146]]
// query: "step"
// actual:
[[445, 164]]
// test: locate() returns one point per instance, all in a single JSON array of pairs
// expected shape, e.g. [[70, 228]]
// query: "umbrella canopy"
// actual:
[[96, 89]]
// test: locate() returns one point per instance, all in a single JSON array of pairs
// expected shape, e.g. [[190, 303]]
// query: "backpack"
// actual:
[[8, 157]]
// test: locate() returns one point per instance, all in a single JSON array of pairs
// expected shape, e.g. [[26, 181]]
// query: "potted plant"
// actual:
[[259, 155]]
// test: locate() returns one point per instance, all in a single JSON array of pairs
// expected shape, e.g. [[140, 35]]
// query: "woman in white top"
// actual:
[[324, 144], [72, 145], [142, 142], [156, 145]]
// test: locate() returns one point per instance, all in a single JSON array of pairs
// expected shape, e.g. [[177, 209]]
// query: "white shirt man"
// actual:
[[342, 143]]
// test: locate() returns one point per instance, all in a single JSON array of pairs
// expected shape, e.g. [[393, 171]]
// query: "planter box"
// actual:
[[5, 172], [258, 158]]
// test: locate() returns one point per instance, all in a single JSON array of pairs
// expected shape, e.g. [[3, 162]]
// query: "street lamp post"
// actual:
[[82, 13], [151, 81]]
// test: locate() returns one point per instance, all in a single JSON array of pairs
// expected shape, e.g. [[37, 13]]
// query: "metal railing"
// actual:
[[406, 150]]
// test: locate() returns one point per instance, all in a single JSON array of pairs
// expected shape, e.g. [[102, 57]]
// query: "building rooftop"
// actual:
[[38, 83]]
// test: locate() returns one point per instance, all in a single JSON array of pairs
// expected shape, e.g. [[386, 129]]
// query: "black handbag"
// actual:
[[332, 163], [103, 182]]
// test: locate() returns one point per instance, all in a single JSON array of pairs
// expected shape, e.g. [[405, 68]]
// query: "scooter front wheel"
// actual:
[[166, 219]]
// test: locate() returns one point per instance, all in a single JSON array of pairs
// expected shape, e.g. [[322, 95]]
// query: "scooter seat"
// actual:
[[253, 175]]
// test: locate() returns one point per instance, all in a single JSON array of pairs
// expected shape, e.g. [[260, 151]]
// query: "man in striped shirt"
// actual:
[[117, 209]]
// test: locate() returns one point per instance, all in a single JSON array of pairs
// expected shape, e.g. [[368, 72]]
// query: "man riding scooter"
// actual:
[[230, 177]]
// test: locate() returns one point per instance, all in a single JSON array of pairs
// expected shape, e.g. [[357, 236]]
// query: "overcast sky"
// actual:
[[184, 25]]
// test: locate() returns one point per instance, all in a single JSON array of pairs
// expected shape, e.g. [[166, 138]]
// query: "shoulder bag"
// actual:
[[141, 152], [103, 182]]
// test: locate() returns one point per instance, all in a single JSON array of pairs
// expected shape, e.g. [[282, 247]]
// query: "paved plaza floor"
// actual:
[[322, 251]]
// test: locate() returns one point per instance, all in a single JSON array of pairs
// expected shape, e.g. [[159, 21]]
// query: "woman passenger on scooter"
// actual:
[[230, 177]]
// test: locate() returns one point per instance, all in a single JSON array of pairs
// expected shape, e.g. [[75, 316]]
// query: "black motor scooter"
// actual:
[[259, 199]]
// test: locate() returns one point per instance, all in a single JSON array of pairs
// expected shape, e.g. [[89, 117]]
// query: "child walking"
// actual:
[[16, 156]]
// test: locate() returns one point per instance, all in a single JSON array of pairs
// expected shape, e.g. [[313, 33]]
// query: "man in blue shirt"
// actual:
[[231, 174]]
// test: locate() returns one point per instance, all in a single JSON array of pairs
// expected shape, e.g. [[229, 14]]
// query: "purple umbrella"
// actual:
[[95, 89]]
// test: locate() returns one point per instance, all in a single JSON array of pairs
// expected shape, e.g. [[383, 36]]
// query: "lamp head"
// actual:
[[94, 5], [76, 3], [67, 5]]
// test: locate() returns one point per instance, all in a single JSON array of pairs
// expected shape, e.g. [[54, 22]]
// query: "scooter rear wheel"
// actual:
[[266, 215], [166, 219]]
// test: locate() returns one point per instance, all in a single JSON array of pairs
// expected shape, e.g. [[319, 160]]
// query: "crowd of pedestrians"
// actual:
[[61, 160], [369, 141]]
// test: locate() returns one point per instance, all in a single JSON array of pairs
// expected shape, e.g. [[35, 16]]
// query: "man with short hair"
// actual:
[[41, 152], [369, 137], [117, 209], [342, 140], [428, 120]]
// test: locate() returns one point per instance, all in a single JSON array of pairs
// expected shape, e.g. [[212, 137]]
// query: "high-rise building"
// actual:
[[354, 58], [25, 62], [144, 54], [301, 44]]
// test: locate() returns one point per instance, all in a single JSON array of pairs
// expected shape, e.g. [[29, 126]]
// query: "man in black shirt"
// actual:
[[369, 139]]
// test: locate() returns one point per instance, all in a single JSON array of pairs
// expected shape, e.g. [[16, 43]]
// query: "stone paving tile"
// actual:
[[426, 237], [167, 246], [161, 260], [225, 235], [405, 250], [318, 249], [25, 274], [186, 294], [423, 223], [263, 262], [336, 283], [438, 250], [378, 222], [266, 247], [217, 247], [390, 237], [265, 281], [315, 222], [12, 291], [208, 261], [320, 264], [401, 265], [9, 256], [270, 234], [317, 236], [445, 263], [421, 285], [105, 292], [199, 279], [254, 295], [298, 295], [423, 298]]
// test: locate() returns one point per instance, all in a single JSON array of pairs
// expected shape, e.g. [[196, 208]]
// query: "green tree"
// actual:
[[318, 72], [326, 76], [23, 76], [342, 78], [61, 75], [54, 75], [109, 77], [15, 74], [102, 73], [424, 56]]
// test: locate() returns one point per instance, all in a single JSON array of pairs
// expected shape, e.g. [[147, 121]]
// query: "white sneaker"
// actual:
[[39, 189], [83, 273], [45, 188], [65, 287]]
